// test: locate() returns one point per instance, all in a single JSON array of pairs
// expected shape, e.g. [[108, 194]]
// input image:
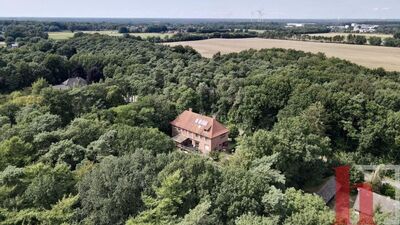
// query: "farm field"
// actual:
[[368, 56], [67, 34], [60, 35], [346, 34]]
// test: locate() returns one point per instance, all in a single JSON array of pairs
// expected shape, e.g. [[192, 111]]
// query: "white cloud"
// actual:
[[381, 9]]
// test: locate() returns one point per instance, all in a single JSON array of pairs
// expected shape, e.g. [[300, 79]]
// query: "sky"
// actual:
[[268, 9]]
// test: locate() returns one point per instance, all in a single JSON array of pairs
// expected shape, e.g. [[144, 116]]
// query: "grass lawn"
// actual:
[[67, 34], [60, 35]]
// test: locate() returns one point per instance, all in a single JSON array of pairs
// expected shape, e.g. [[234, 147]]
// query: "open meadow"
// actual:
[[369, 56], [68, 34], [60, 35]]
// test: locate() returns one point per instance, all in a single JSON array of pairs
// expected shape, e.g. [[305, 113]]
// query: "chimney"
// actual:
[[190, 109], [214, 117]]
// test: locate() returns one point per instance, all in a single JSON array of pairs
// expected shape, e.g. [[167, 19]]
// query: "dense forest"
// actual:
[[87, 156]]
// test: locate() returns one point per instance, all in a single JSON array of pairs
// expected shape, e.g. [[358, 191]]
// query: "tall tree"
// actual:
[[112, 191], [162, 209]]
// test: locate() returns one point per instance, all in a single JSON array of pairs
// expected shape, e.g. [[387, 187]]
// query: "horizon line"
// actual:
[[183, 18]]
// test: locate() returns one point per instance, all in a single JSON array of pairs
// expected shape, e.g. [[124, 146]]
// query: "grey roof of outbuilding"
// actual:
[[328, 190], [61, 87], [384, 203], [71, 83], [75, 82]]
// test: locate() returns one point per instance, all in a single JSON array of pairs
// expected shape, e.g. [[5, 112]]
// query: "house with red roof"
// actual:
[[191, 130]]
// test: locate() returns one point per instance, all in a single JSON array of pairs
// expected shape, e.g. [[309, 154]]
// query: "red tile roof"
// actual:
[[199, 124]]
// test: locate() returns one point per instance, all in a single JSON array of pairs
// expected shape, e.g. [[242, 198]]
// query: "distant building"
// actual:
[[340, 28], [71, 83], [198, 132], [130, 98], [364, 28], [295, 25]]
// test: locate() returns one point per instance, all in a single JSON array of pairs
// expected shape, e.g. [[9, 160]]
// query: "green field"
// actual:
[[67, 34], [60, 35]]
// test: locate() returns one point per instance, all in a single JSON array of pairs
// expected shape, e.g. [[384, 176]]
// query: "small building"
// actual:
[[130, 98], [364, 28], [71, 83], [14, 45], [295, 25], [198, 132]]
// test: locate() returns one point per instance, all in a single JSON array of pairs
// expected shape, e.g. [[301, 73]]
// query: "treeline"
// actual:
[[202, 33], [388, 27], [343, 39], [194, 36], [87, 156], [11, 34], [60, 26], [349, 39], [288, 32], [392, 42]]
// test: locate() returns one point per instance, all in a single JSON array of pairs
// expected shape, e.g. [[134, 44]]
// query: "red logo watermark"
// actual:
[[365, 196], [343, 199]]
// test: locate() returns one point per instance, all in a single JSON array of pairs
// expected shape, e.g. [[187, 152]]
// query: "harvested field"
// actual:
[[369, 56]]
